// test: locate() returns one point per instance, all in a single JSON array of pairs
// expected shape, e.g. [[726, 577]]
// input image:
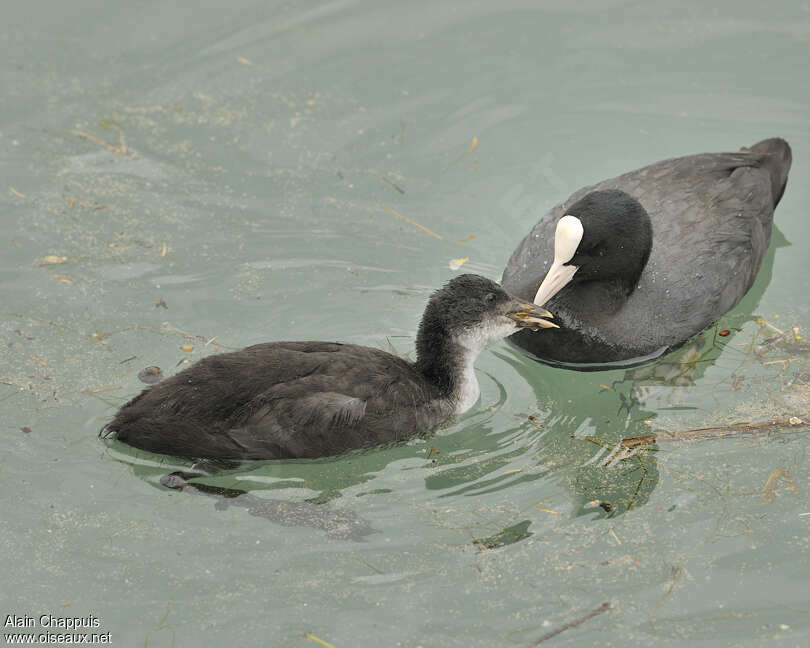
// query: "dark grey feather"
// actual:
[[711, 218]]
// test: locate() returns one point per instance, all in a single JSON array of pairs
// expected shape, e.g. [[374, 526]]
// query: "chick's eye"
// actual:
[[490, 297]]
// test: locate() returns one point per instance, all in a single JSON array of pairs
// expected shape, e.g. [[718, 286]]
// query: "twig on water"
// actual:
[[393, 184], [567, 626], [716, 432], [118, 150], [676, 576], [410, 222], [317, 640], [105, 389]]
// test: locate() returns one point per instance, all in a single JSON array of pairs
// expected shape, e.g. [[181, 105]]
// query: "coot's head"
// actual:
[[605, 236], [475, 311]]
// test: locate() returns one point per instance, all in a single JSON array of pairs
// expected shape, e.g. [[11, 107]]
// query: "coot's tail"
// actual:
[[776, 159]]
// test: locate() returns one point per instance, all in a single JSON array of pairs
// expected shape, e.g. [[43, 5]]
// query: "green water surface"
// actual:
[[185, 175]]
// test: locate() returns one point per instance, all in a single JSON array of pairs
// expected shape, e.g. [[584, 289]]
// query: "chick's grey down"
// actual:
[[711, 216], [314, 399]]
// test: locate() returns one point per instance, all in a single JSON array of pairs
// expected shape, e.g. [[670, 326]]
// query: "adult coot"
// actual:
[[315, 399], [634, 266]]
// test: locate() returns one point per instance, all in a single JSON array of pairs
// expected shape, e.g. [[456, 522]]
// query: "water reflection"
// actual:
[[229, 484], [343, 524], [584, 425]]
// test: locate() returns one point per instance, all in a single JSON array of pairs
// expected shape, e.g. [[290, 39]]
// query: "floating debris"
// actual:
[[607, 507], [771, 488], [122, 141], [567, 626], [161, 304], [25, 429], [312, 637], [455, 264], [463, 155], [384, 179], [61, 279], [16, 193], [104, 389], [715, 432], [509, 535], [150, 375], [467, 238], [411, 222], [36, 358], [765, 324], [244, 61], [53, 259], [187, 348], [89, 137]]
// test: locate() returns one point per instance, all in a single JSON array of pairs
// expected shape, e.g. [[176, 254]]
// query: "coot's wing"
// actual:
[[711, 216]]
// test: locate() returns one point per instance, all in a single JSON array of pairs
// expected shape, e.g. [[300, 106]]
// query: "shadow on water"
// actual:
[[229, 483], [342, 524], [572, 433]]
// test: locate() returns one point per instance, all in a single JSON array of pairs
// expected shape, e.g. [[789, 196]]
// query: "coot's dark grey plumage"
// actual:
[[651, 258], [314, 399]]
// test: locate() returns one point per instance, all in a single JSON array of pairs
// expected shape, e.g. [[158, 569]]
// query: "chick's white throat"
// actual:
[[469, 344]]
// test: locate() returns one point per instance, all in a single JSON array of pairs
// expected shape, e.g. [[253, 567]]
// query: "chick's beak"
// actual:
[[527, 315]]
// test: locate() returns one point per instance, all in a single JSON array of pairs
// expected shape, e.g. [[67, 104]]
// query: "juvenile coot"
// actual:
[[634, 266], [314, 399]]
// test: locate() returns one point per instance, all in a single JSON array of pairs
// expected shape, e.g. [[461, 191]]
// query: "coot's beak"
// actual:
[[527, 315], [558, 276], [567, 238]]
